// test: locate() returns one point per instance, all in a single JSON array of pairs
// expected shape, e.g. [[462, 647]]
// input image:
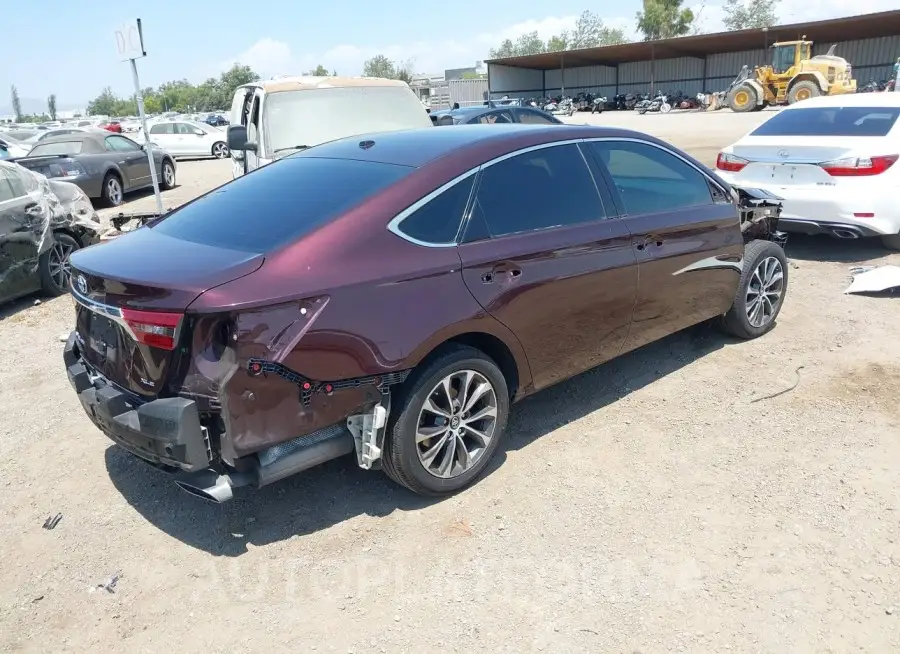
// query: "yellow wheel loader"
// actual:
[[794, 76]]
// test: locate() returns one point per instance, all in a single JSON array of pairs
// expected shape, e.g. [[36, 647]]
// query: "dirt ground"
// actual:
[[655, 504]]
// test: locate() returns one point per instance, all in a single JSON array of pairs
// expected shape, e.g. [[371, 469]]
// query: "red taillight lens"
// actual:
[[154, 328], [730, 163], [858, 167]]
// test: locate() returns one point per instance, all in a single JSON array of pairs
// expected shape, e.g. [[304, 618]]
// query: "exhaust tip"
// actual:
[[845, 233], [212, 488]]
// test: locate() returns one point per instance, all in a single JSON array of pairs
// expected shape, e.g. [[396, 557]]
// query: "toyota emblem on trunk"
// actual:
[[784, 153], [81, 284]]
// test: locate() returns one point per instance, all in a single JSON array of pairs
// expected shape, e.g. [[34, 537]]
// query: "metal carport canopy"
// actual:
[[867, 26]]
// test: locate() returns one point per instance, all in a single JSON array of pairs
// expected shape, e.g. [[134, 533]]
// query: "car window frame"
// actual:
[[608, 200], [119, 137], [714, 186]]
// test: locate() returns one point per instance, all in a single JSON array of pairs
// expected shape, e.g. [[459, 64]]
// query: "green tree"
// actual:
[[51, 106], [178, 95], [16, 103], [749, 14], [320, 71], [589, 32], [379, 66], [334, 72], [664, 19]]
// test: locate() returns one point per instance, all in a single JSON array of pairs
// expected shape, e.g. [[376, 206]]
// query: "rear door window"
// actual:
[[162, 128], [279, 203], [535, 118], [650, 179], [545, 188], [830, 121], [121, 144]]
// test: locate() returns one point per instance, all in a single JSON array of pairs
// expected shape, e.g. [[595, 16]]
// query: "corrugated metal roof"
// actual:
[[866, 26]]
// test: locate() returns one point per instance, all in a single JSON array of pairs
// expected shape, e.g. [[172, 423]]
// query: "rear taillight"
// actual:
[[154, 328], [858, 167], [730, 163]]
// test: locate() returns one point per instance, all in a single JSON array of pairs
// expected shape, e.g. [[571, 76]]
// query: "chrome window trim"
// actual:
[[629, 139], [394, 225]]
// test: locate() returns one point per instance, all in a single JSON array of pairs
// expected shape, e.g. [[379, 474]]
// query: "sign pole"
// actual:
[[148, 146], [130, 47]]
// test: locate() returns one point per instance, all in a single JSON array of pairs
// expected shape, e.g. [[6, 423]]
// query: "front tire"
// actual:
[[220, 150], [450, 421], [54, 265], [743, 99], [760, 293]]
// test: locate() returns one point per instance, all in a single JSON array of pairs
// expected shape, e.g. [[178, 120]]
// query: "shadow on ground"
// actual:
[[835, 250], [339, 490]]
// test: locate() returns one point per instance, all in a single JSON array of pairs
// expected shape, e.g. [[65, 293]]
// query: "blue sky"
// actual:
[[199, 39]]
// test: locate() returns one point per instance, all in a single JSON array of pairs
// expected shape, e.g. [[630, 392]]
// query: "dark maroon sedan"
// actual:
[[391, 295]]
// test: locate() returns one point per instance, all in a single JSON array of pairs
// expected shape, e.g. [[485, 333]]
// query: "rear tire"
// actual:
[[405, 451], [54, 264], [760, 293], [803, 91], [167, 183], [112, 193], [220, 150], [891, 241]]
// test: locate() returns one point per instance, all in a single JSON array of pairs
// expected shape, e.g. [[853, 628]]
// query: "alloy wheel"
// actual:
[[764, 292], [220, 150], [169, 175], [58, 264], [114, 191], [456, 424]]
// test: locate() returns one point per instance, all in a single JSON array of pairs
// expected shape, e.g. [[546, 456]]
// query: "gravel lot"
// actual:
[[650, 505]]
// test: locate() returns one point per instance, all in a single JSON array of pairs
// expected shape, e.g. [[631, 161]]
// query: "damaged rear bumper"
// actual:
[[165, 432], [169, 433]]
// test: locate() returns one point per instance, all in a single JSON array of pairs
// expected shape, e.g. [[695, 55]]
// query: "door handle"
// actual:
[[509, 272], [648, 241]]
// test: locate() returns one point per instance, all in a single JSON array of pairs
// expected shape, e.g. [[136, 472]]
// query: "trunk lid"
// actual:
[[794, 161], [132, 293]]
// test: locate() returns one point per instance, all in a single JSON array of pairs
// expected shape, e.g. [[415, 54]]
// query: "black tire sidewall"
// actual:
[[403, 432], [754, 253]]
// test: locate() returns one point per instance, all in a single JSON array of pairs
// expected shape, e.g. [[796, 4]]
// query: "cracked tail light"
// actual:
[[153, 328], [858, 166], [730, 163]]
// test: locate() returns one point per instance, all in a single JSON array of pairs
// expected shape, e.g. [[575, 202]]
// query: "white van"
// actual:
[[274, 118]]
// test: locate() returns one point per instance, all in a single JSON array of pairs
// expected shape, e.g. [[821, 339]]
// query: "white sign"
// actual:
[[130, 41]]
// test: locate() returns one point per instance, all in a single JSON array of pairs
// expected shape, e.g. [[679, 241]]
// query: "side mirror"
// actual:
[[236, 135]]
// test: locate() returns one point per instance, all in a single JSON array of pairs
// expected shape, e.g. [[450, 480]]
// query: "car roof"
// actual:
[[417, 147], [313, 83], [91, 142], [850, 100]]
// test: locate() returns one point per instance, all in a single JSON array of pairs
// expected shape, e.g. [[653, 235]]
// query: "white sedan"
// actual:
[[834, 162], [182, 138]]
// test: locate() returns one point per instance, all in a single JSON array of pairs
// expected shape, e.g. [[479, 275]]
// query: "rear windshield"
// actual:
[[61, 147], [830, 121], [279, 202]]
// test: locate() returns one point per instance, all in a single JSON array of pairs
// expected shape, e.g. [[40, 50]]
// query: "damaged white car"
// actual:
[[41, 223]]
